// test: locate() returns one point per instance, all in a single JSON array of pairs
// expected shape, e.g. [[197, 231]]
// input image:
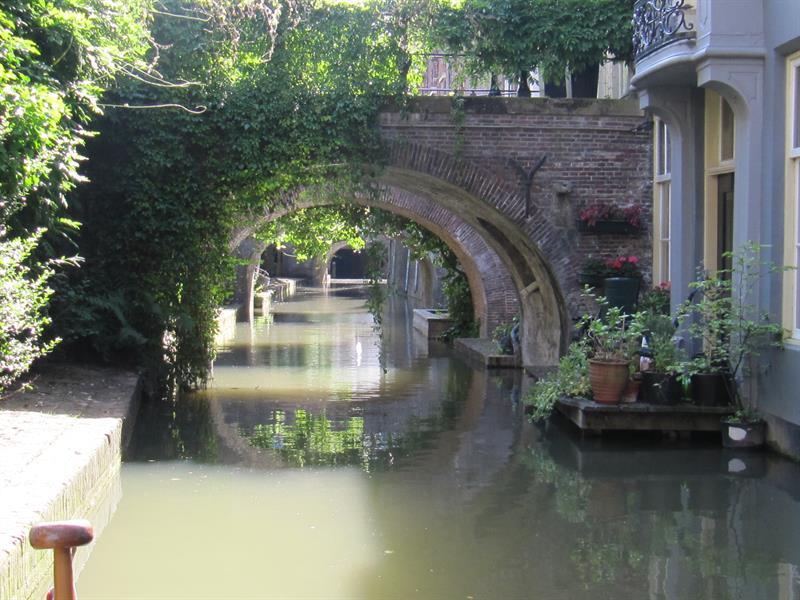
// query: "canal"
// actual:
[[318, 466]]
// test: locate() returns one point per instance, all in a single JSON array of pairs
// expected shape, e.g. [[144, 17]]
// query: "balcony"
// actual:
[[659, 23]]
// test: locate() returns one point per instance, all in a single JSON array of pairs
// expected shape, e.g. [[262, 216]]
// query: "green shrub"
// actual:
[[571, 378], [24, 297]]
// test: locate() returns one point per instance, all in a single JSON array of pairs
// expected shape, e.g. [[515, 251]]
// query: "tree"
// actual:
[[55, 59], [517, 36]]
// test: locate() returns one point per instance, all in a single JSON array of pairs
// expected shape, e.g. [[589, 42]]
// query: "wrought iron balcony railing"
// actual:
[[657, 23]]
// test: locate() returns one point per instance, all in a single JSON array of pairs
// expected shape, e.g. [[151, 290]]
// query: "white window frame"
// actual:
[[662, 188], [792, 208], [732, 158]]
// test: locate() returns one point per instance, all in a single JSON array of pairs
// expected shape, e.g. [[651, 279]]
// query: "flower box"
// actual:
[[607, 227]]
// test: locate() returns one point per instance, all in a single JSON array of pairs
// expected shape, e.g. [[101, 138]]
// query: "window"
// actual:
[[727, 136], [792, 212], [719, 158], [662, 190]]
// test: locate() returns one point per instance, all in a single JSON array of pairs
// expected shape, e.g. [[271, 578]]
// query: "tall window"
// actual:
[[720, 165], [662, 189], [792, 212]]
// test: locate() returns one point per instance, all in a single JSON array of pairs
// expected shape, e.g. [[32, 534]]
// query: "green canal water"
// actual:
[[316, 466]]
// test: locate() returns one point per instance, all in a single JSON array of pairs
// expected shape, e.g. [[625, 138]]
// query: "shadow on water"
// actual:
[[426, 481]]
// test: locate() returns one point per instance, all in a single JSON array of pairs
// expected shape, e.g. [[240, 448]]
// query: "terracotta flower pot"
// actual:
[[608, 380]]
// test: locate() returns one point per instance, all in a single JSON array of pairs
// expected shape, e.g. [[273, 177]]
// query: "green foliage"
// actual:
[[501, 336], [571, 378], [727, 320], [611, 336], [656, 300], [456, 290], [56, 57], [311, 440], [513, 36], [312, 231], [22, 308], [284, 111], [659, 330]]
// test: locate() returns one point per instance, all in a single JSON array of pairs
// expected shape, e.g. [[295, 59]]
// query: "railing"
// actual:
[[443, 77], [262, 277], [657, 23]]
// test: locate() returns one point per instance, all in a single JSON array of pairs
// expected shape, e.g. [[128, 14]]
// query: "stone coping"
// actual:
[[483, 351], [487, 105], [60, 451]]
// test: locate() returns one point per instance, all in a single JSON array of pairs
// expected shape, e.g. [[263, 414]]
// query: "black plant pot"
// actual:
[[660, 388], [607, 227], [622, 292], [711, 389]]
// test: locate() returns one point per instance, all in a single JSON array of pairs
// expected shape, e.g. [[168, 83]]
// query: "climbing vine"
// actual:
[[268, 114], [56, 58]]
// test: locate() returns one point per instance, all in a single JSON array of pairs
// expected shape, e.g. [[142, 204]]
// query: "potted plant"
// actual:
[[744, 429], [611, 342], [604, 218], [502, 338], [660, 383], [657, 300], [622, 282], [571, 378], [732, 329], [593, 273]]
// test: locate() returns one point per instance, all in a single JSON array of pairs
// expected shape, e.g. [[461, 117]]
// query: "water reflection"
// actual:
[[308, 480]]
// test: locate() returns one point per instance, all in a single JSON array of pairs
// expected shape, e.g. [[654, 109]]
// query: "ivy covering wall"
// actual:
[[193, 115], [274, 98]]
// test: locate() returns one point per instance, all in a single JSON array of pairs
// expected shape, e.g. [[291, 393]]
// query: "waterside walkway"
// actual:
[[60, 451]]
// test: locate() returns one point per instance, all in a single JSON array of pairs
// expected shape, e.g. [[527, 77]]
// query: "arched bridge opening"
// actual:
[[504, 186]]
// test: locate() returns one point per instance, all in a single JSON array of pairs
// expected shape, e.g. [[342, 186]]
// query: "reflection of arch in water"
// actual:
[[375, 432]]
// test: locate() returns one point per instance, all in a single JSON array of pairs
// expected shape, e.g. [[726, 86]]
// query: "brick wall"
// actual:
[[596, 150]]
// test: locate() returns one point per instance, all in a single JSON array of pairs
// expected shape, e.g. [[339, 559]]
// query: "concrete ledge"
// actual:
[[432, 323], [483, 352], [589, 415], [61, 445], [486, 105]]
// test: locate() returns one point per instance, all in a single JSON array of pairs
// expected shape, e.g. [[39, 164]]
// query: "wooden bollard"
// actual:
[[62, 537]]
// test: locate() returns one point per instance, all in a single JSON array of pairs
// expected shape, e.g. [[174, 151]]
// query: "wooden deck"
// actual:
[[591, 416]]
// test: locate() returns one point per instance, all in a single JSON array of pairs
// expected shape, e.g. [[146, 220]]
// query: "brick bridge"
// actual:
[[502, 181]]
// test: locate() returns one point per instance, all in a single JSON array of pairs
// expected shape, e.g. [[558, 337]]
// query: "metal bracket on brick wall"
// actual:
[[526, 179]]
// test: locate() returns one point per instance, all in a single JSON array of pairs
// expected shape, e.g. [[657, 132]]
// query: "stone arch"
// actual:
[[534, 253], [517, 260], [494, 295]]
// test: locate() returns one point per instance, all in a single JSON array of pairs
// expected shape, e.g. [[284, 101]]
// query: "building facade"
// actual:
[[722, 79]]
